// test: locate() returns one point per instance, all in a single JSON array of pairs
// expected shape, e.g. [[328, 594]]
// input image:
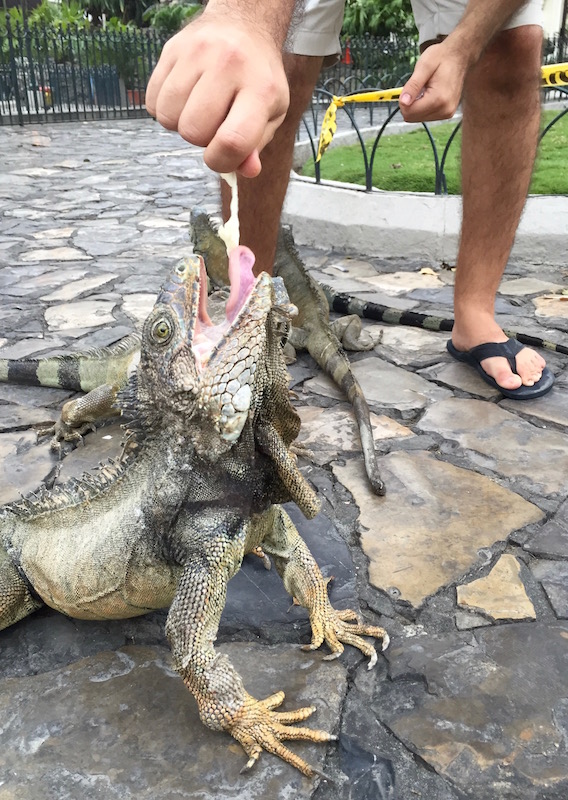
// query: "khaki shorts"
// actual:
[[317, 32]]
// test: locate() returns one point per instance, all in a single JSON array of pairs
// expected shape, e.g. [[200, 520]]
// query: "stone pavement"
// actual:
[[465, 561]]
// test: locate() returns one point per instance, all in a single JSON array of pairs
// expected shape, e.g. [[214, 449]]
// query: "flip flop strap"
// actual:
[[508, 350]]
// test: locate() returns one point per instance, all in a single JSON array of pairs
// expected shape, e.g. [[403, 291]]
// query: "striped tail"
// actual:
[[346, 304], [76, 371]]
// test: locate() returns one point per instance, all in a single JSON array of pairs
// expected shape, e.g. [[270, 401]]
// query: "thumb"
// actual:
[[415, 85]]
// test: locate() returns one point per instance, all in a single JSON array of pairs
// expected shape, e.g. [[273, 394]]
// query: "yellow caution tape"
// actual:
[[552, 75], [555, 75]]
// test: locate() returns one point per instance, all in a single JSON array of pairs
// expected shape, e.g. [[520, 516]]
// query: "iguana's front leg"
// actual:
[[191, 627], [304, 581], [79, 416]]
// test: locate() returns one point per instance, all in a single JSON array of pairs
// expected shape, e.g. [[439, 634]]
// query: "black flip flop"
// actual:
[[508, 350]]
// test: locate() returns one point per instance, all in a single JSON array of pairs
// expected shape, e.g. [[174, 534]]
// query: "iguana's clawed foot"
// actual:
[[338, 628], [257, 727], [350, 333], [259, 553]]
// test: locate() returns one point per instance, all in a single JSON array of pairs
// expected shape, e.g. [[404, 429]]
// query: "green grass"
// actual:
[[405, 162]]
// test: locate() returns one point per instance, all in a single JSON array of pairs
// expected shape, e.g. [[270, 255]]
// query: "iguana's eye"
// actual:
[[161, 331]]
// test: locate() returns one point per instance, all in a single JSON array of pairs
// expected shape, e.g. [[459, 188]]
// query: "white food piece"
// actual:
[[230, 232]]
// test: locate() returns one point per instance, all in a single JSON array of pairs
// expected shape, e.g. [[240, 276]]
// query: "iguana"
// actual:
[[205, 468]]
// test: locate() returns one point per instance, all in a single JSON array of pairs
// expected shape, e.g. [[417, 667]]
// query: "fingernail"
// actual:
[[406, 99]]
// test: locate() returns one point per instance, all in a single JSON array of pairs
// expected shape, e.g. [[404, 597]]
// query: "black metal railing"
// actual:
[[369, 148], [55, 74]]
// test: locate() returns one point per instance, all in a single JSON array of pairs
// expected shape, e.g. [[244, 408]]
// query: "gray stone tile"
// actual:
[[509, 445], [386, 386], [554, 578], [493, 718], [123, 724]]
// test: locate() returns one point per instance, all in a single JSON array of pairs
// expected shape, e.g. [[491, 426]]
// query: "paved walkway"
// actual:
[[465, 561]]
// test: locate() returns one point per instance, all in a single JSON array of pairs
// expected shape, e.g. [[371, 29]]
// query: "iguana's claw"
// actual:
[[338, 628], [257, 727]]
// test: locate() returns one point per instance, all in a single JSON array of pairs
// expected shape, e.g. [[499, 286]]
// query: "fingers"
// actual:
[[434, 89], [222, 87], [248, 126]]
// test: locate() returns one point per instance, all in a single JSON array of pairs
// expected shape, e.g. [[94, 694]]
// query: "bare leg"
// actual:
[[501, 112], [261, 198]]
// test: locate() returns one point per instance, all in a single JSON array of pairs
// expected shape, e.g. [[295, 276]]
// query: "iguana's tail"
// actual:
[[77, 371], [347, 304], [330, 357]]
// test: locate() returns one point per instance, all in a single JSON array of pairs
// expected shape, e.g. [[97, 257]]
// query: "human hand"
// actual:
[[434, 90], [221, 84]]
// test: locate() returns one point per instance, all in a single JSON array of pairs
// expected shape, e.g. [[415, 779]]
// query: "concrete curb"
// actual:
[[412, 225]]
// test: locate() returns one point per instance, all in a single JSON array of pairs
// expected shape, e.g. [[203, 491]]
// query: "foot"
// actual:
[[258, 727], [530, 364]]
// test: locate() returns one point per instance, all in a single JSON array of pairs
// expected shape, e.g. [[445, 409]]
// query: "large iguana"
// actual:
[[206, 465]]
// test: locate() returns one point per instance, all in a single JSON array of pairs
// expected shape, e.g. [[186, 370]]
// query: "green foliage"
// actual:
[[377, 17], [168, 19], [125, 12], [405, 162]]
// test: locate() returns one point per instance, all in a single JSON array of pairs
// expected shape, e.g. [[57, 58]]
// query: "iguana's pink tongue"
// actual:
[[241, 278]]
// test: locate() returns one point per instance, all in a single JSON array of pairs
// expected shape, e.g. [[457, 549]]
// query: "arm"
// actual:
[[221, 84], [435, 88]]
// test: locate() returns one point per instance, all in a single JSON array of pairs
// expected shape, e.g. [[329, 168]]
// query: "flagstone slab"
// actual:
[[343, 265], [528, 285], [552, 539], [510, 446], [122, 725], [26, 347], [80, 314], [413, 347], [553, 407], [54, 277], [501, 594], [23, 465], [138, 306], [55, 254], [75, 288], [329, 431], [402, 282], [494, 719], [552, 305], [428, 529], [54, 233], [553, 576], [385, 386]]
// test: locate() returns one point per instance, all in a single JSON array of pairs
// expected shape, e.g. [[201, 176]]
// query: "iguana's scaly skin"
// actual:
[[206, 466]]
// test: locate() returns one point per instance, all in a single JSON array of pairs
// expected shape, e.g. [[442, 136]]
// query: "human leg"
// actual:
[[500, 126]]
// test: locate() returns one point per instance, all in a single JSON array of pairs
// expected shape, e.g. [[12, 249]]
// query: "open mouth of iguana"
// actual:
[[228, 326]]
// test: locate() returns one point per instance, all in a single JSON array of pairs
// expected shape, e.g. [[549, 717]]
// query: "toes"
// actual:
[[506, 378], [273, 701]]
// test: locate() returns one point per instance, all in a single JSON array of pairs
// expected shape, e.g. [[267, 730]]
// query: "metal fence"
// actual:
[[57, 74]]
